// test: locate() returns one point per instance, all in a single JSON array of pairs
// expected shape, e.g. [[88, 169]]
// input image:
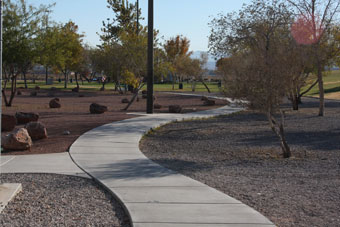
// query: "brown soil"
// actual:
[[74, 115]]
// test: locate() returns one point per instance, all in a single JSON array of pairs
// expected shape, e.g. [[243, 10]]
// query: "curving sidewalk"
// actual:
[[152, 195]]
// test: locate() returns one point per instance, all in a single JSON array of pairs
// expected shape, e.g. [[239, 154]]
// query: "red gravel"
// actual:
[[74, 115]]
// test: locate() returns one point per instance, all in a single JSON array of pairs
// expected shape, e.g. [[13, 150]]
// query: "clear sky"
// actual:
[[172, 17]]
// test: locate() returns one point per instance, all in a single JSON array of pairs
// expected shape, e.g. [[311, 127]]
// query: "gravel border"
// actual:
[[239, 155], [60, 200]]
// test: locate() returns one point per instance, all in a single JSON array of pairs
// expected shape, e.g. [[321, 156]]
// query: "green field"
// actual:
[[94, 86], [331, 83]]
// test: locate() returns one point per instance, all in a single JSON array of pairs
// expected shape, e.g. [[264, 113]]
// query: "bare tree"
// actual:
[[256, 40], [313, 25]]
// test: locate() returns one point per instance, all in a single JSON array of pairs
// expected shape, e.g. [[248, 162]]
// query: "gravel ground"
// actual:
[[239, 155], [58, 200]]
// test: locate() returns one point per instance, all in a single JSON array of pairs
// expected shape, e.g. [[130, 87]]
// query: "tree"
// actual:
[[68, 49], [312, 27], [125, 18], [177, 50], [22, 24], [256, 40]]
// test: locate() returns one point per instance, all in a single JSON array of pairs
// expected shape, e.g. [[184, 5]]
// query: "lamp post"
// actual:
[[1, 4], [149, 105]]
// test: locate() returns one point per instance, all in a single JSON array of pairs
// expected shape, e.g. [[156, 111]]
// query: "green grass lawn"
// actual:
[[331, 83], [94, 86]]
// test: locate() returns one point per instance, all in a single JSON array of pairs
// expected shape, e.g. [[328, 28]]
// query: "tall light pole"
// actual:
[[149, 106], [1, 4]]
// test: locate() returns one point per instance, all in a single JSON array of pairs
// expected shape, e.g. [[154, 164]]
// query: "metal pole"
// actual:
[[149, 107], [1, 5], [137, 17]]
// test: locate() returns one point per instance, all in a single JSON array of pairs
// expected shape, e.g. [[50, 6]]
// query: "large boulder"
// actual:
[[36, 130], [55, 103], [24, 118], [175, 109], [8, 122], [209, 102], [157, 106], [95, 108], [18, 140]]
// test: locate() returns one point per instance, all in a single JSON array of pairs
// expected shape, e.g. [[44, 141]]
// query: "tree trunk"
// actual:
[[46, 74], [13, 91], [25, 79], [134, 97], [295, 102], [278, 129], [66, 80], [76, 78], [206, 86], [322, 93]]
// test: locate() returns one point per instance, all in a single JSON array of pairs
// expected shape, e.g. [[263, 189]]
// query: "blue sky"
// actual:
[[172, 17]]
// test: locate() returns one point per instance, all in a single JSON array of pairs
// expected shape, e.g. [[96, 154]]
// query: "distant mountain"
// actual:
[[211, 61]]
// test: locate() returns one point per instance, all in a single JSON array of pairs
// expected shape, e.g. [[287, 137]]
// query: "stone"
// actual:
[[204, 98], [209, 102], [76, 89], [19, 92], [33, 93], [18, 140], [8, 122], [24, 118], [175, 109], [125, 101], [81, 95], [37, 88], [36, 130], [66, 133], [95, 108], [55, 103], [157, 106]]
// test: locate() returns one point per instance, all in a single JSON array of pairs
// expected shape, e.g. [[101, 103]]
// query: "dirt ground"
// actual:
[[74, 115]]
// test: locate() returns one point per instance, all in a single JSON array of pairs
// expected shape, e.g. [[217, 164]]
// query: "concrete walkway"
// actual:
[[153, 195], [59, 163]]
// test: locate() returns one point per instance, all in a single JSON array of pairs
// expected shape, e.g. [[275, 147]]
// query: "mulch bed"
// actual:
[[240, 155], [74, 116], [57, 200]]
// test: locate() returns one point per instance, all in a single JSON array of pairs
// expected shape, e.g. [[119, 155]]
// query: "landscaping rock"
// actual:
[[97, 109], [19, 140], [175, 109], [76, 89], [209, 102], [8, 122], [66, 133], [157, 106], [24, 118], [125, 101], [55, 103], [36, 130], [204, 98], [33, 93]]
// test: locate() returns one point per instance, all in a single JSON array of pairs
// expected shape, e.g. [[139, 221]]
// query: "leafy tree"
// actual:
[[312, 27], [256, 40], [177, 50], [68, 50], [21, 26]]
